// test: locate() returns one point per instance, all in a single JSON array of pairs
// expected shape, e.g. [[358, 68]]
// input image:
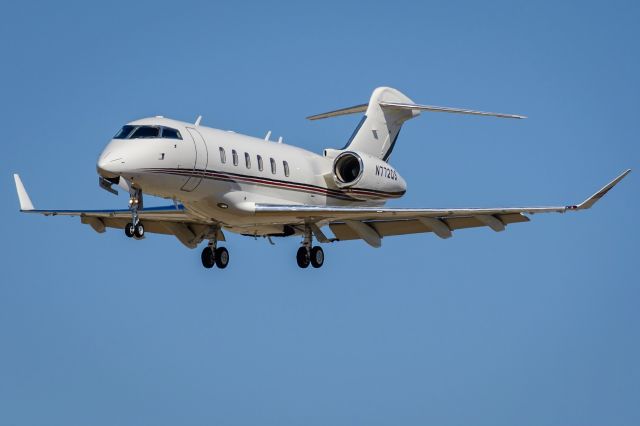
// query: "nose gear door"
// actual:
[[200, 162]]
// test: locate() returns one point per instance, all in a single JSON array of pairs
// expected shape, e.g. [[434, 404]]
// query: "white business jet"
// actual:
[[223, 181]]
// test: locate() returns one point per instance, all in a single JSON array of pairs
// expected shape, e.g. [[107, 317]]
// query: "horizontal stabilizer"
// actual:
[[410, 107], [344, 111], [433, 108]]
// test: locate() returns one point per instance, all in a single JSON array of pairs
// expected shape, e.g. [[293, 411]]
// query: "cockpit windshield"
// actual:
[[142, 132], [145, 132], [124, 132]]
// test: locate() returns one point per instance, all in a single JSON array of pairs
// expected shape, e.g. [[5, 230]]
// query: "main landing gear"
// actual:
[[135, 227], [307, 253], [213, 255]]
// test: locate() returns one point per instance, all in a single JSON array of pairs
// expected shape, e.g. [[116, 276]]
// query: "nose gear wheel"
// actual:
[[135, 227]]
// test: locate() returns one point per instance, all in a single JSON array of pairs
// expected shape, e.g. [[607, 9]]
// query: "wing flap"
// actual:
[[386, 228]]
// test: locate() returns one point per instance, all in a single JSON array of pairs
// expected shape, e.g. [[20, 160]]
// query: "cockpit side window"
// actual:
[[124, 132], [169, 133], [145, 132]]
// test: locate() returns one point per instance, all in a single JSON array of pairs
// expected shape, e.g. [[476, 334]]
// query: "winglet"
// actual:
[[595, 197], [25, 201]]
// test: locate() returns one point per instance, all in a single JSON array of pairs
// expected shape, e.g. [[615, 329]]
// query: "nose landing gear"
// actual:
[[135, 227]]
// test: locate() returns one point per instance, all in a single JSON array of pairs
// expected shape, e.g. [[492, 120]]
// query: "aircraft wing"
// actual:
[[171, 220], [372, 223]]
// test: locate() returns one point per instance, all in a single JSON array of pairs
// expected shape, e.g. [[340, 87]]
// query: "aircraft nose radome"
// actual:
[[109, 166]]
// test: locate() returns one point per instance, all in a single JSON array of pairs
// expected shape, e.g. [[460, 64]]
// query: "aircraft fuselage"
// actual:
[[219, 175]]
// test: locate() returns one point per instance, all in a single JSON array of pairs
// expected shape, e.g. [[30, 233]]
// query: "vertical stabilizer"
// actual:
[[378, 130]]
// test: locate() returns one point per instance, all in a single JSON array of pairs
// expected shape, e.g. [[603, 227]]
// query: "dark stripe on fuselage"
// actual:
[[289, 185]]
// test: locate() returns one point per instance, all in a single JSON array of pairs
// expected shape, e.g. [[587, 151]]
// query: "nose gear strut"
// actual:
[[135, 227]]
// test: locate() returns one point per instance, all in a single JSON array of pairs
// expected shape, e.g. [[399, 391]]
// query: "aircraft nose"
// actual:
[[110, 164]]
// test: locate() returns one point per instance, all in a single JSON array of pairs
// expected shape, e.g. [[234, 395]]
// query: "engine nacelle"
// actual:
[[366, 177]]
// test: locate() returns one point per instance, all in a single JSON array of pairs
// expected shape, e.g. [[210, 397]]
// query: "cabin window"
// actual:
[[247, 160], [273, 166], [285, 166], [144, 132], [234, 156], [259, 163], [168, 133], [223, 156]]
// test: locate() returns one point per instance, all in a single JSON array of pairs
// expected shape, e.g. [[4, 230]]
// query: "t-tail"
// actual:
[[386, 112]]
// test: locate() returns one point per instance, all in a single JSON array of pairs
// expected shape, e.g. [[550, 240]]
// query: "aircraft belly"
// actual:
[[220, 201]]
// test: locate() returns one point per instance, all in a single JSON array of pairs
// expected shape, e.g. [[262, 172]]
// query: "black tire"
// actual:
[[302, 257], [138, 230], [129, 229], [208, 258], [222, 257], [317, 257]]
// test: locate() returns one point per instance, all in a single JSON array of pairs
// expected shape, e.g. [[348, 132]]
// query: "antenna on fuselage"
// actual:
[[280, 139], [198, 120], [266, 138]]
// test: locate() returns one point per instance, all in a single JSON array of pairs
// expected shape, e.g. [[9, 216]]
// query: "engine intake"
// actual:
[[348, 168], [366, 177]]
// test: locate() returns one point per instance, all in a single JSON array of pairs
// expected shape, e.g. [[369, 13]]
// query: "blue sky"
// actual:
[[534, 326]]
